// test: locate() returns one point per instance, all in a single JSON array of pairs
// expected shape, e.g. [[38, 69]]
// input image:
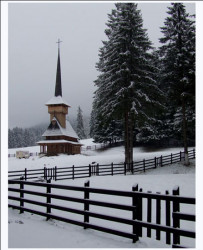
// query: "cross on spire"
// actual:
[[59, 43]]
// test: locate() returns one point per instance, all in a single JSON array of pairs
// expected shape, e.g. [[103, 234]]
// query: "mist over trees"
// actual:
[[25, 137], [80, 125]]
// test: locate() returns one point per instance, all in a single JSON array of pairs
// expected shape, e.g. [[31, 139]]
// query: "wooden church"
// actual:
[[60, 137]]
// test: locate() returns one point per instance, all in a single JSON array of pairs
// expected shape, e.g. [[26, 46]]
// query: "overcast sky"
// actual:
[[34, 29]]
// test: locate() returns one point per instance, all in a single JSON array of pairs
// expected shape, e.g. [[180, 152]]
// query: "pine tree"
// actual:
[[153, 131], [80, 126], [19, 137], [126, 88], [178, 52]]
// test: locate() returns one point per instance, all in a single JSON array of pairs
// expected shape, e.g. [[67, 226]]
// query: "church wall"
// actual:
[[66, 148], [58, 108], [59, 112]]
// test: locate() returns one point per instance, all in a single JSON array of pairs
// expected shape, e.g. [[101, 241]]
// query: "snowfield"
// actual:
[[115, 155], [32, 231]]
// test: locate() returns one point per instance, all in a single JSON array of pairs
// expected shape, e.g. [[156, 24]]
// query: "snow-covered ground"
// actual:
[[27, 231], [115, 155]]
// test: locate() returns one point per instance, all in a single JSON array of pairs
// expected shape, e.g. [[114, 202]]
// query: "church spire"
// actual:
[[58, 88]]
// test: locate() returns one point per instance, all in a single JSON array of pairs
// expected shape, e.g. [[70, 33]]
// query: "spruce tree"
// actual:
[[178, 53], [126, 88], [80, 126], [153, 131]]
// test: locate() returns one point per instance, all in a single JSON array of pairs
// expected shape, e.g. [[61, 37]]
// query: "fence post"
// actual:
[[176, 221], [86, 204], [21, 195], [48, 198], [161, 160], [25, 174], [193, 153], [132, 169], [97, 168], [139, 217], [112, 168], [171, 158], [73, 172], [135, 212], [144, 164], [45, 173], [168, 219], [158, 216], [55, 173], [180, 155], [154, 162], [124, 168], [89, 170], [149, 214]]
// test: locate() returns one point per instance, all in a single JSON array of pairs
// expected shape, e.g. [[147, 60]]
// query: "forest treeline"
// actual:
[[25, 137]]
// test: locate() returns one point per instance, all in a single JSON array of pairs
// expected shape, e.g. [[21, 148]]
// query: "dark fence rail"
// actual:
[[167, 227], [96, 169]]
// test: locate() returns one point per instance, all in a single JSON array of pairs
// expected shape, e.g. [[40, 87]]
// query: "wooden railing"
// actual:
[[62, 173], [138, 206]]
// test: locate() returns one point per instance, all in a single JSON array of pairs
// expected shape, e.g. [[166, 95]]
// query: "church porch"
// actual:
[[55, 147]]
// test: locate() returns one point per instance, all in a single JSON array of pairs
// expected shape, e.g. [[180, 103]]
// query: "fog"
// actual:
[[33, 30]]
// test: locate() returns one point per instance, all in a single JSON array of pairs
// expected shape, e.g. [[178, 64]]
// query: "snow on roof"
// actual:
[[68, 131], [58, 141], [57, 100]]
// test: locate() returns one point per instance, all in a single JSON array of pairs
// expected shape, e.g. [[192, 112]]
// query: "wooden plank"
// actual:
[[168, 220], [73, 176], [149, 214], [21, 196], [86, 204], [158, 217], [48, 198], [183, 216], [179, 199], [135, 211], [140, 207], [176, 221]]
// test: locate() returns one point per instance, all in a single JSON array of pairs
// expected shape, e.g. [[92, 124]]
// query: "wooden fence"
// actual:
[[44, 200], [96, 169]]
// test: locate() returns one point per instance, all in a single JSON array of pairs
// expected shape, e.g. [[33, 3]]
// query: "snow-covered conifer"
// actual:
[[126, 88], [80, 126], [178, 53]]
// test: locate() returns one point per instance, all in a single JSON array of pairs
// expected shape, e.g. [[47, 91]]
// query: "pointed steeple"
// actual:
[[58, 87]]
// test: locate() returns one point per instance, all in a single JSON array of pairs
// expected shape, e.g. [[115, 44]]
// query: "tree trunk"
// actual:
[[185, 133], [128, 141]]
